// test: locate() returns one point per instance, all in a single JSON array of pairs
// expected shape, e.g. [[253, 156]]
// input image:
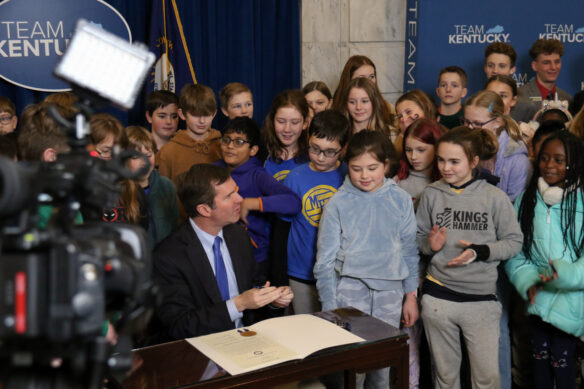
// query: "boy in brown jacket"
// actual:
[[199, 143]]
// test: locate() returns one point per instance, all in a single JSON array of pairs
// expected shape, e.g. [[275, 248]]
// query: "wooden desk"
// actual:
[[178, 364]]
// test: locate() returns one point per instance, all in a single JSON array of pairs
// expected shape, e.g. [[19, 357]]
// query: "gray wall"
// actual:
[[334, 30]]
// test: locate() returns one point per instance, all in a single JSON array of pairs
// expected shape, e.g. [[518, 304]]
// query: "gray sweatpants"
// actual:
[[385, 305], [479, 323], [305, 297]]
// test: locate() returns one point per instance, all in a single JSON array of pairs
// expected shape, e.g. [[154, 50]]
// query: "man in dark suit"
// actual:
[[206, 270], [546, 55]]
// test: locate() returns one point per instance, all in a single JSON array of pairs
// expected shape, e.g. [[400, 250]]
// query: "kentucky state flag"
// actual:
[[173, 67]]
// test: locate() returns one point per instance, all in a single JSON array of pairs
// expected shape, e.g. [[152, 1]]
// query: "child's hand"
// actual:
[[554, 275], [437, 238], [112, 336], [466, 257], [410, 311], [248, 204], [532, 292]]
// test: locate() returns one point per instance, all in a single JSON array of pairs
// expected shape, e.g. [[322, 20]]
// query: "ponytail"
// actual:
[[475, 142], [493, 102], [487, 143], [512, 128]]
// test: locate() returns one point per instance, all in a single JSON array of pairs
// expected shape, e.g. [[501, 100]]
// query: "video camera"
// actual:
[[61, 283]]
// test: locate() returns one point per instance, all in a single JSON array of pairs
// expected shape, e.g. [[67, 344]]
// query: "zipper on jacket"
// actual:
[[549, 308], [549, 235]]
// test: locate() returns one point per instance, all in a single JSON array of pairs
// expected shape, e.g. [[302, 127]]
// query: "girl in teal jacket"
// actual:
[[549, 271]]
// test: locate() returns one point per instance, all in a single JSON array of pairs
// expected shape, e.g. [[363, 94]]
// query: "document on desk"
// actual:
[[271, 341]]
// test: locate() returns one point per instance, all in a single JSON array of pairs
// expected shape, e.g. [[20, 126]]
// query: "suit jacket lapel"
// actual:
[[198, 259]]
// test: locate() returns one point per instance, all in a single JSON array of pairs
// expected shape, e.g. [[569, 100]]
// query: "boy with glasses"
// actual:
[[314, 182], [262, 193]]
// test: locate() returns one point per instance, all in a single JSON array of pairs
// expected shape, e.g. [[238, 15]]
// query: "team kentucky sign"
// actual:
[[444, 33], [34, 34]]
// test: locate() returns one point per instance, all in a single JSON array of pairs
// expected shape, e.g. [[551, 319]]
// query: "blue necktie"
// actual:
[[220, 272]]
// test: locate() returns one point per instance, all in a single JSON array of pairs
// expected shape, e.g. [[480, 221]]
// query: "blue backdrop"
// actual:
[[251, 41], [438, 36]]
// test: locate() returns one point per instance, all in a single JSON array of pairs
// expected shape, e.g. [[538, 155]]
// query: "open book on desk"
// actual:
[[271, 341]]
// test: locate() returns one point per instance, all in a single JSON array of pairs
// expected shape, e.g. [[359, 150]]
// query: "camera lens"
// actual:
[[14, 187]]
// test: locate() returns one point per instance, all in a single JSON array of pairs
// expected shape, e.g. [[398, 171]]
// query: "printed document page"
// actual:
[[271, 341]]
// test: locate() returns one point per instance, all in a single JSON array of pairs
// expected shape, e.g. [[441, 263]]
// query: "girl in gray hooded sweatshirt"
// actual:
[[367, 255], [467, 226]]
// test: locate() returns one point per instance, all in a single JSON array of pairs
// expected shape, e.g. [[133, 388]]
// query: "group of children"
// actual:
[[403, 213]]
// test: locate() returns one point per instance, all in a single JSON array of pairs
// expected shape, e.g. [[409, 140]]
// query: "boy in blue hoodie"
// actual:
[[260, 191]]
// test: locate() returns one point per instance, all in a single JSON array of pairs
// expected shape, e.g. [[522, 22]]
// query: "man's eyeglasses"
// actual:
[[6, 119], [236, 142], [470, 124], [329, 153]]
